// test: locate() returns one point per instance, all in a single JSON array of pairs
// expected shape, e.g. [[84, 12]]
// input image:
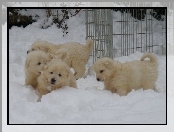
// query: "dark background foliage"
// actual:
[[16, 19]]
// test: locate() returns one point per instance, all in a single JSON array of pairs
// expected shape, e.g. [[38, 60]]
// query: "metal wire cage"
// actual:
[[123, 32], [99, 27]]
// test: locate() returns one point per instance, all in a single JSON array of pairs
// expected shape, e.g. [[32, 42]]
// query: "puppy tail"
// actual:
[[89, 44], [151, 56]]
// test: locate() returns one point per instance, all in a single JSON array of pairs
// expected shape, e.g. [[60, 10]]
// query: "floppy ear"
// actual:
[[51, 56], [68, 73], [46, 67], [44, 76], [61, 54], [27, 62], [42, 47], [46, 49], [109, 63], [67, 70]]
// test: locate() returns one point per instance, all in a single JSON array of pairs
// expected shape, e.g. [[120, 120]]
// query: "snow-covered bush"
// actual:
[[46, 17]]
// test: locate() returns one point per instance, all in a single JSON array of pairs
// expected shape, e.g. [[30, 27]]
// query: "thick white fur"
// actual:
[[34, 64], [121, 78], [33, 68], [60, 72], [78, 53]]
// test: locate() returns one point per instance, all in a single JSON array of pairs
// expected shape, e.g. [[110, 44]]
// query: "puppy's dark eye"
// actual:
[[101, 71], [51, 72], [39, 63], [59, 75], [32, 49]]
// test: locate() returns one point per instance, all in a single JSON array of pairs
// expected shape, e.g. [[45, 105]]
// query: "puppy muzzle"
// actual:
[[28, 51], [53, 80], [98, 79]]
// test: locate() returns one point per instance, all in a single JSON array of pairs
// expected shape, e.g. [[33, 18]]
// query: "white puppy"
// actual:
[[56, 75], [121, 78], [78, 53], [35, 63]]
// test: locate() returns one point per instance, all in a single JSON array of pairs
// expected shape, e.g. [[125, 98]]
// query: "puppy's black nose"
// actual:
[[53, 80], [98, 79], [27, 51]]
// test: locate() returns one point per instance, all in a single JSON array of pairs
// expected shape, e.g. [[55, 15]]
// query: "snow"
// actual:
[[89, 104]]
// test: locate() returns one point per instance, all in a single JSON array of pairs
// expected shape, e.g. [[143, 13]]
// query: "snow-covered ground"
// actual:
[[18, 82], [89, 104]]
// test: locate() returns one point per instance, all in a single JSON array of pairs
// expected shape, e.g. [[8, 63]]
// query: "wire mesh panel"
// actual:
[[121, 32], [99, 27], [139, 31]]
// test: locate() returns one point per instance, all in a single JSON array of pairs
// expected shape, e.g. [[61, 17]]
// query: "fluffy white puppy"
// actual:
[[35, 63], [78, 53], [121, 78], [56, 75]]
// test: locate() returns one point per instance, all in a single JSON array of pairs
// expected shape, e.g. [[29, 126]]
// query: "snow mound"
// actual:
[[89, 103]]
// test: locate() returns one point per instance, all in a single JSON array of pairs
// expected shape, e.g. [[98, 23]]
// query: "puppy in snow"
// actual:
[[55, 75], [121, 78], [78, 53], [35, 63]]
